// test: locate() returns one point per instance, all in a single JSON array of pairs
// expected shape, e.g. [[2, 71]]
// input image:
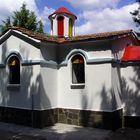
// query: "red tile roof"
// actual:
[[131, 53], [39, 36], [63, 10], [98, 36], [48, 38]]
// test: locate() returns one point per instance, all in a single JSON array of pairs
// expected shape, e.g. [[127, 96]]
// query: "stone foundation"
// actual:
[[26, 117], [43, 118], [132, 121], [105, 120]]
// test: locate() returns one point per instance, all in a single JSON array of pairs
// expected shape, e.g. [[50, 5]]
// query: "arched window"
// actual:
[[78, 69], [60, 26], [14, 70]]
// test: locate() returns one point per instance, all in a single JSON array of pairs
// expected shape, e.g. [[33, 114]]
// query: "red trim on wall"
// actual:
[[131, 53], [60, 26]]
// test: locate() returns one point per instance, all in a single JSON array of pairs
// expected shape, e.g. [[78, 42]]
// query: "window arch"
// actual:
[[78, 69], [14, 70]]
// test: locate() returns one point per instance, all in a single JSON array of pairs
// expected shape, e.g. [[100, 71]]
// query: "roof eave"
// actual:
[[20, 35]]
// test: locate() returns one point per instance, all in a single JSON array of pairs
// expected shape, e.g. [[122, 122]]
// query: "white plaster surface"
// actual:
[[107, 87], [48, 88], [95, 96], [131, 90], [66, 26], [99, 54], [21, 96], [54, 31], [14, 44]]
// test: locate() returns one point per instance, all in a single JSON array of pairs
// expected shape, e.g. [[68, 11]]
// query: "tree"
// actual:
[[6, 24], [23, 18], [136, 15], [40, 27]]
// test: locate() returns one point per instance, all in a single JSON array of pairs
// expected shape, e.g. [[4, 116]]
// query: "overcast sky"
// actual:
[[93, 15]]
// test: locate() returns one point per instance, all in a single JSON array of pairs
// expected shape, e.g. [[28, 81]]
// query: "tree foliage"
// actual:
[[6, 24], [40, 27], [136, 15], [23, 18]]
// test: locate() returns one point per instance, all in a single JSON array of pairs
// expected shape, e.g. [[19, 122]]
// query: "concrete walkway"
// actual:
[[65, 132]]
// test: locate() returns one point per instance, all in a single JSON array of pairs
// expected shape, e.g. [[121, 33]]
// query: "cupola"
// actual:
[[62, 23]]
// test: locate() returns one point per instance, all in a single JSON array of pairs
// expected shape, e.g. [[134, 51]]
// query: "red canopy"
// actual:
[[131, 53]]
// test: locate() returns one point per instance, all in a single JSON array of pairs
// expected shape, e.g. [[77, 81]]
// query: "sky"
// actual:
[[93, 16]]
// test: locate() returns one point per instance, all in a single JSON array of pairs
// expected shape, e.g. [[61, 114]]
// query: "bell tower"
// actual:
[[62, 23]]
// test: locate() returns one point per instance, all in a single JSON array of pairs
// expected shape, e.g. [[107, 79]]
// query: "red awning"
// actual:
[[131, 53]]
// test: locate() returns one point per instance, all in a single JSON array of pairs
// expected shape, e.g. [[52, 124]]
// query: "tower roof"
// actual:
[[62, 10]]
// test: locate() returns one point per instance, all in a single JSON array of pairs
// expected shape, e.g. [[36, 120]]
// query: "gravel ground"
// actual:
[[65, 132], [8, 135], [125, 134]]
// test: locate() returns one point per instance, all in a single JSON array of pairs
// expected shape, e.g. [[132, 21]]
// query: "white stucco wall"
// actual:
[[48, 78], [116, 87], [14, 44], [54, 27], [118, 47], [48, 88], [131, 90], [49, 85], [66, 26], [97, 92], [91, 50], [99, 54], [27, 94], [22, 96]]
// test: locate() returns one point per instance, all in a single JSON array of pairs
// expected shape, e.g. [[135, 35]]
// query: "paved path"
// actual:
[[65, 132]]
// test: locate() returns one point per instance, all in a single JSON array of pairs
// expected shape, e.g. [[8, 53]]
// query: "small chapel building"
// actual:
[[88, 80]]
